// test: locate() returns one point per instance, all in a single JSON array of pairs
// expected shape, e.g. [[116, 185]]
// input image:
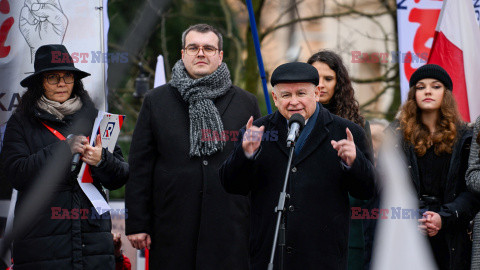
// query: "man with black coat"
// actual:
[[330, 161], [176, 205]]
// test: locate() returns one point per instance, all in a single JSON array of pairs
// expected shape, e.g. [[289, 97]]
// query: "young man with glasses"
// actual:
[[176, 205]]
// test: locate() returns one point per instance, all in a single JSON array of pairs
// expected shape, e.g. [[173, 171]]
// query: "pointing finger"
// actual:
[[249, 123], [349, 135]]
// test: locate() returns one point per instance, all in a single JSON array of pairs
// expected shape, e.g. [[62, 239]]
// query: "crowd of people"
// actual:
[[205, 169]]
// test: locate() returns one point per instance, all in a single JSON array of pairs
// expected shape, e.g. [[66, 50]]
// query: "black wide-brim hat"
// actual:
[[50, 58]]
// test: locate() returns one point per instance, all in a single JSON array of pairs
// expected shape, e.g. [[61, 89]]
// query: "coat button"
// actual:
[[83, 245], [294, 169], [409, 167], [205, 162], [289, 250], [291, 208]]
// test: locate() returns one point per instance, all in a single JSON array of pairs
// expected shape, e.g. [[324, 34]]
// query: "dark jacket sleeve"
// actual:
[[20, 165], [237, 171], [113, 172], [361, 176], [461, 210], [466, 205], [142, 159]]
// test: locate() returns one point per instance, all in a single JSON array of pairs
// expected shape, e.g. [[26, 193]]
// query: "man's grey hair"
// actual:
[[203, 28]]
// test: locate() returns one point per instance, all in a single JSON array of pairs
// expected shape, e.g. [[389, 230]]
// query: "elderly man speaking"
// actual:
[[331, 160]]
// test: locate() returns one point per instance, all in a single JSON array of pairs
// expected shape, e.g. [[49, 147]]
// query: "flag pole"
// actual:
[[103, 47], [253, 26]]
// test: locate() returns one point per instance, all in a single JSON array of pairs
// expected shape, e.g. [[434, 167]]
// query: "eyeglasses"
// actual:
[[54, 78], [193, 50]]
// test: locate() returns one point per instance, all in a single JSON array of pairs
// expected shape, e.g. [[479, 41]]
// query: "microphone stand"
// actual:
[[280, 226]]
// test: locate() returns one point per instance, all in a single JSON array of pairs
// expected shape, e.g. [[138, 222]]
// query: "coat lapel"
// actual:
[[280, 124], [222, 102], [316, 137]]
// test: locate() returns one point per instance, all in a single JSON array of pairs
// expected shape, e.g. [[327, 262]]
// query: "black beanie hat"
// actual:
[[431, 71]]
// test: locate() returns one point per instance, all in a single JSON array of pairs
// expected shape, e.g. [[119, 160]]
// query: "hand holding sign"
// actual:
[[93, 154]]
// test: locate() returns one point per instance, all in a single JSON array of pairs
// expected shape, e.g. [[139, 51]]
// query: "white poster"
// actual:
[[28, 24], [416, 27]]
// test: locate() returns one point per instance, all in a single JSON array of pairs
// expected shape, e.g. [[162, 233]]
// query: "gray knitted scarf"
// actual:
[[204, 116]]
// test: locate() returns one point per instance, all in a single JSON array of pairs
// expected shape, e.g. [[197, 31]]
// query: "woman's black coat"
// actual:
[[178, 200], [460, 206], [51, 242]]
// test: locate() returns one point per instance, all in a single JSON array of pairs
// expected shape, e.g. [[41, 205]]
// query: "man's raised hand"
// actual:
[[346, 148], [252, 137]]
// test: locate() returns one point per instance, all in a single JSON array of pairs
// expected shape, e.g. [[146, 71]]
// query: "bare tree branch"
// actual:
[[382, 78], [238, 44], [378, 95], [313, 18], [284, 12]]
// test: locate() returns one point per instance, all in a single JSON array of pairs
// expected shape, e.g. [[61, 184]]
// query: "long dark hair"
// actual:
[[35, 90], [343, 100]]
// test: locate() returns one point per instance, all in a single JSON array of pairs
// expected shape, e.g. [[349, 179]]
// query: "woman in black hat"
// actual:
[[436, 144], [64, 232]]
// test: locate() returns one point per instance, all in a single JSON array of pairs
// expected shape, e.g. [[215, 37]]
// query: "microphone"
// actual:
[[76, 156], [295, 125]]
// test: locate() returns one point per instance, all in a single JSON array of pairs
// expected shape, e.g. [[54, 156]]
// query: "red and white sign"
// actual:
[[25, 25], [416, 27], [417, 21]]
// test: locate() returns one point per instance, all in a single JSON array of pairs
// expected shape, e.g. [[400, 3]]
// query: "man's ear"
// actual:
[[220, 54], [274, 96], [317, 93]]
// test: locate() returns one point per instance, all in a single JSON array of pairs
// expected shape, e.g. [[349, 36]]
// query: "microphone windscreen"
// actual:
[[297, 118]]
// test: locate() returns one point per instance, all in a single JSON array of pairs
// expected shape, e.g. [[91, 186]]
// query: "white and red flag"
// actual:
[[456, 47]]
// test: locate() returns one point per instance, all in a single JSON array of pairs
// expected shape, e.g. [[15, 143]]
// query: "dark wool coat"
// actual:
[[318, 211], [59, 243], [460, 206], [178, 200]]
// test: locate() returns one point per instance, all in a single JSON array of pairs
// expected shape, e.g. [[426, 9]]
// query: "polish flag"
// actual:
[[456, 48]]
